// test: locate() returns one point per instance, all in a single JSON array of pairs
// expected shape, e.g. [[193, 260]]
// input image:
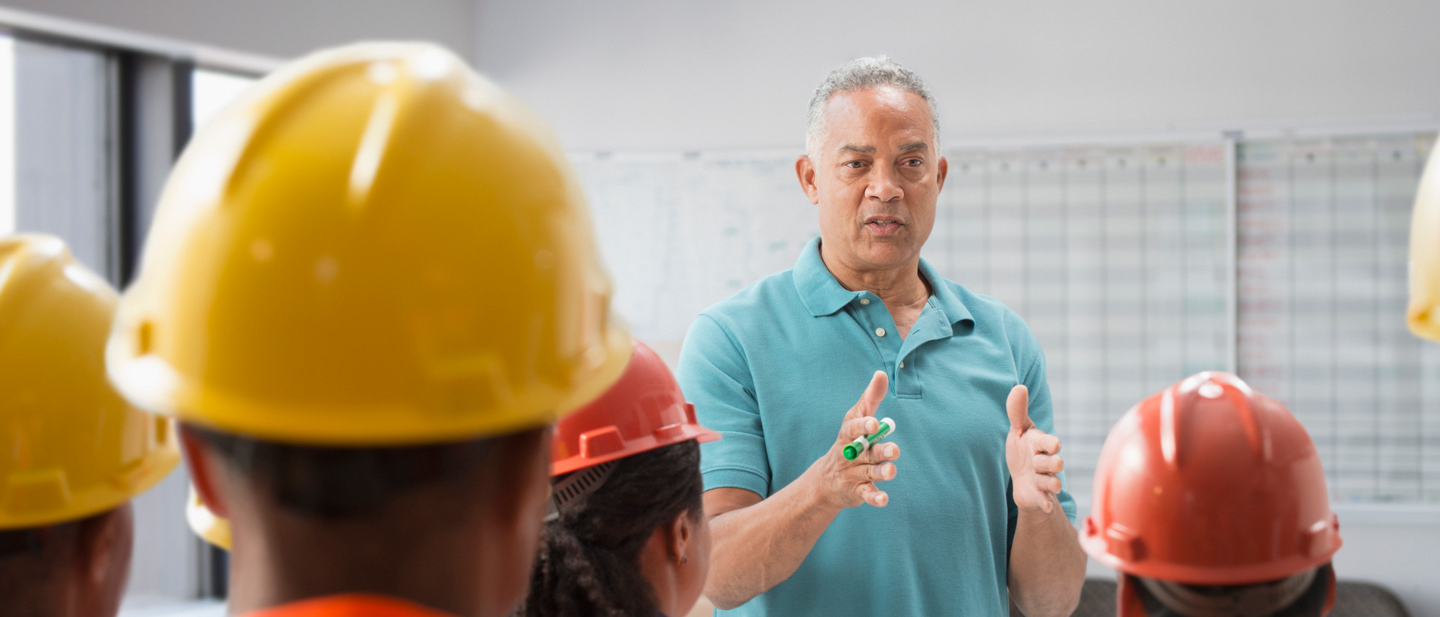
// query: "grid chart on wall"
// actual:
[[1323, 250], [1135, 265], [1116, 257]]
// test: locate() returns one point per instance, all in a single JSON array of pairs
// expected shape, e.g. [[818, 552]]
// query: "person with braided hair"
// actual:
[[625, 534]]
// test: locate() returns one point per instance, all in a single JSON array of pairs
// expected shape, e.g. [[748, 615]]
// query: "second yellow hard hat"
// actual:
[[71, 446]]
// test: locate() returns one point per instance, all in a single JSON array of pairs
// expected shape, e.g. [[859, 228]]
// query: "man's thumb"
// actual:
[[1017, 406], [874, 393]]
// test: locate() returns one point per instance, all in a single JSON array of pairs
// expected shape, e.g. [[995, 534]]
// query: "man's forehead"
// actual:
[[851, 113], [886, 97]]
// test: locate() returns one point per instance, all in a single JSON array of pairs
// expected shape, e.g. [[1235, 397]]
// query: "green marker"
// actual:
[[855, 448]]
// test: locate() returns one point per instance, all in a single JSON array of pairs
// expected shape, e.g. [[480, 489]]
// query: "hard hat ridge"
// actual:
[[1210, 385]]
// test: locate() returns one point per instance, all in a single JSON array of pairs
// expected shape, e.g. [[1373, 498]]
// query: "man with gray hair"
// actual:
[[980, 514]]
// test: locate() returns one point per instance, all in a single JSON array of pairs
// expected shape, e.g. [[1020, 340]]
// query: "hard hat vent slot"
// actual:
[[670, 431], [36, 491], [1123, 543], [144, 338], [601, 441], [131, 474], [1315, 541], [162, 429]]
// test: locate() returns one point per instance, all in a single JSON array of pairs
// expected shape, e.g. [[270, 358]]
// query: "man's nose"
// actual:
[[884, 184]]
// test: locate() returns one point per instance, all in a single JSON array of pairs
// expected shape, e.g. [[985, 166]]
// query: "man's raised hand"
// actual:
[[1032, 455]]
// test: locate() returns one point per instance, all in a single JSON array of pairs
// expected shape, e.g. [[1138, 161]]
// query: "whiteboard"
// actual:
[[682, 232], [1134, 264]]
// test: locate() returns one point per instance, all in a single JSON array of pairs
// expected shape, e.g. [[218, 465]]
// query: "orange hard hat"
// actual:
[[1210, 483], [642, 411]]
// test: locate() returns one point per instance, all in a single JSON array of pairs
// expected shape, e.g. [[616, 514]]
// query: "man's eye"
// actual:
[[854, 164], [914, 162]]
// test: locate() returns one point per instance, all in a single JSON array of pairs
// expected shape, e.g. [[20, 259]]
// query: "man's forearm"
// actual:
[[758, 546], [1047, 566]]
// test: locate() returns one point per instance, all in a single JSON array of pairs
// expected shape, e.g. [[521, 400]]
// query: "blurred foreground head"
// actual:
[[1424, 313], [1210, 500], [370, 287], [72, 452]]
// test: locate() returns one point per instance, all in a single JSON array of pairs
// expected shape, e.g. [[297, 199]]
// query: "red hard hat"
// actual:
[[644, 410], [1210, 483]]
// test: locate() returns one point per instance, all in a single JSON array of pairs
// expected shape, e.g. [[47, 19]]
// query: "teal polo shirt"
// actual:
[[775, 367]]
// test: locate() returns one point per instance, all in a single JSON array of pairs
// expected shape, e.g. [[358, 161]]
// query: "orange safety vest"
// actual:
[[350, 605]]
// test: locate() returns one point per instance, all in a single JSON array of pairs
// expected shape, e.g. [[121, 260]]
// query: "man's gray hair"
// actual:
[[862, 74]]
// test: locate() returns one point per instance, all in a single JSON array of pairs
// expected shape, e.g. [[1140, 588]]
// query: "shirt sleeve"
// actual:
[[716, 378]]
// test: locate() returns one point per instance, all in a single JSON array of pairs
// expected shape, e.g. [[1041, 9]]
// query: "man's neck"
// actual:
[[33, 587], [898, 287], [445, 574]]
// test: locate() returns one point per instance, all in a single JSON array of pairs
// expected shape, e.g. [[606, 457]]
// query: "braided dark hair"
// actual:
[[589, 556]]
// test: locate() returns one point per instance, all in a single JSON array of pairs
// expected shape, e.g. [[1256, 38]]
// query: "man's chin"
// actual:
[[886, 257]]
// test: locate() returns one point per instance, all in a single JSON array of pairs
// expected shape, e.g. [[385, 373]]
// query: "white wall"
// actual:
[[660, 75], [281, 28], [656, 74]]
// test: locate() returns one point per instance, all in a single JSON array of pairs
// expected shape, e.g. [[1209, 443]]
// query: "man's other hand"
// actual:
[[1032, 455]]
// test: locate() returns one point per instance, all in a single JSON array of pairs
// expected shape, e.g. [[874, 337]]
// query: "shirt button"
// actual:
[[864, 301], [902, 365], [879, 331]]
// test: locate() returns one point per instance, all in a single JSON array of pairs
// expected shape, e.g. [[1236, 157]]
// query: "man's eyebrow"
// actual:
[[914, 145], [859, 149]]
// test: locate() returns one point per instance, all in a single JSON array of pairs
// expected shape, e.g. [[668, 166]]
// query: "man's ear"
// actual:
[[203, 471], [109, 541], [943, 169], [805, 172], [681, 532], [101, 562]]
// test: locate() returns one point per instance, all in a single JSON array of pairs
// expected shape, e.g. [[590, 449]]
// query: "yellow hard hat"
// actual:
[[70, 447], [372, 246], [1424, 313], [204, 523]]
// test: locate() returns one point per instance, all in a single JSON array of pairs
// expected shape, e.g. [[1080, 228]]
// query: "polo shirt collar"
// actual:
[[819, 291], [823, 295], [944, 296]]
